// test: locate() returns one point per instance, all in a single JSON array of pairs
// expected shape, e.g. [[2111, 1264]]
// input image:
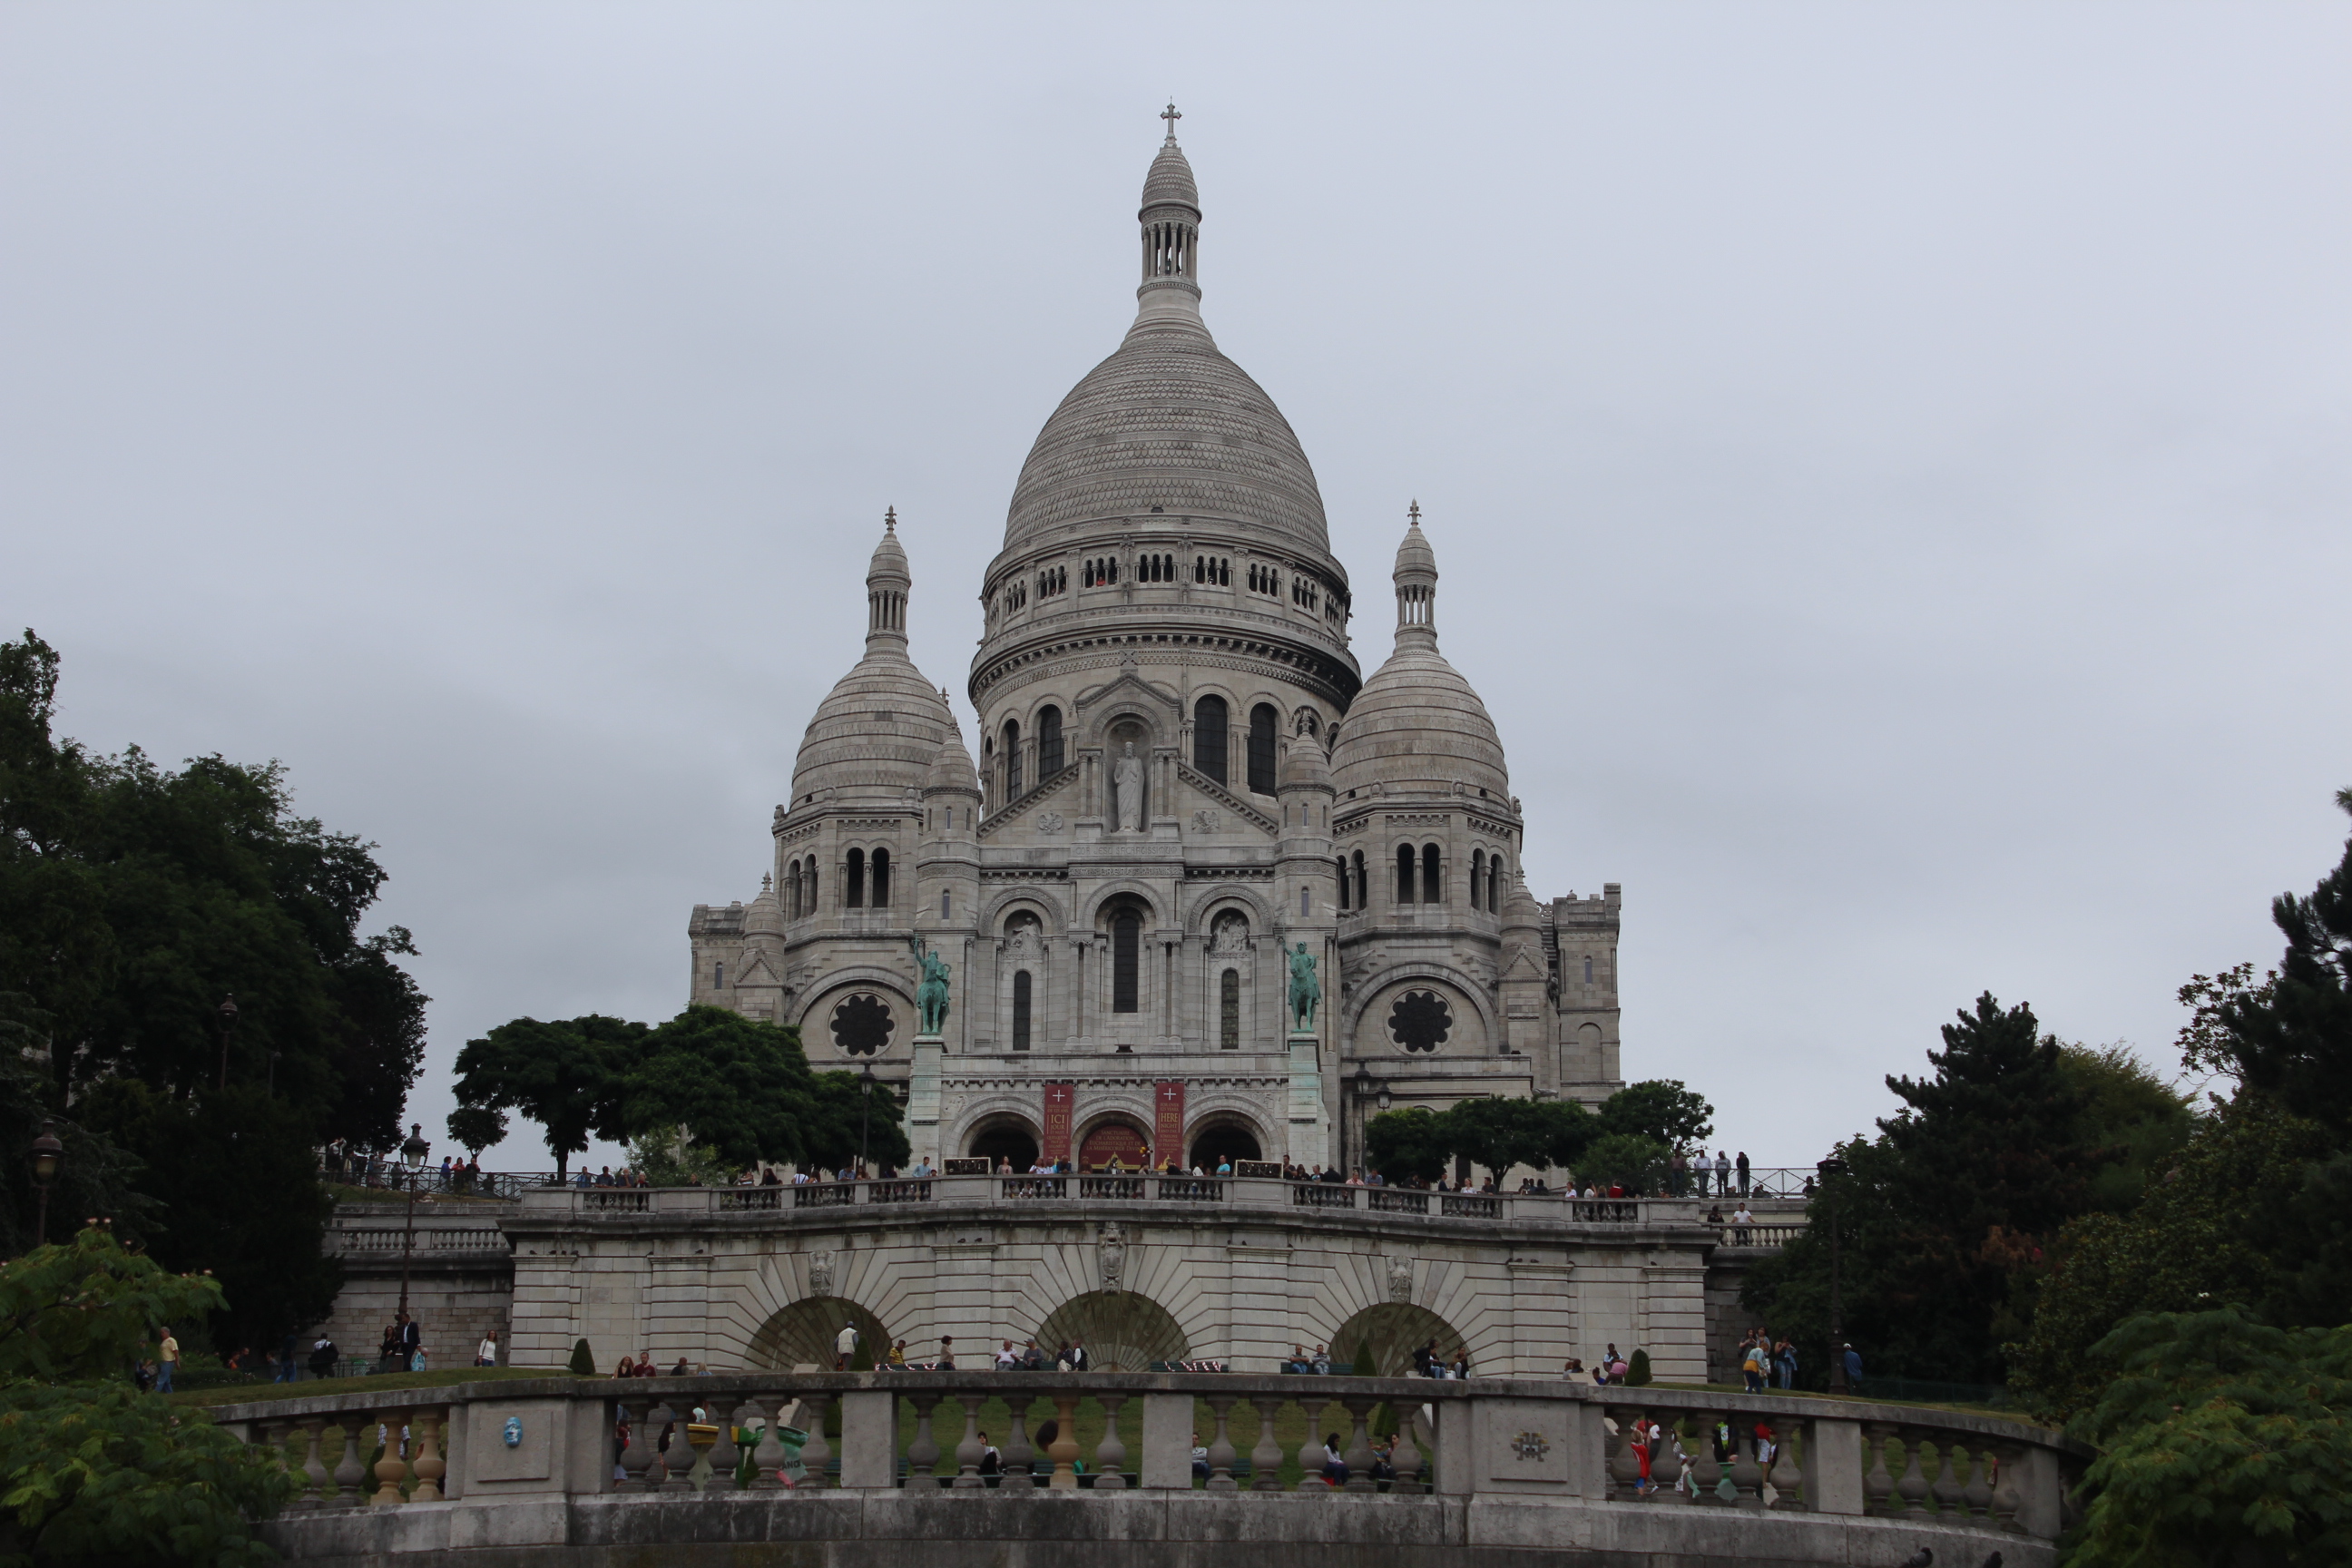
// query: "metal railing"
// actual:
[[1530, 1440]]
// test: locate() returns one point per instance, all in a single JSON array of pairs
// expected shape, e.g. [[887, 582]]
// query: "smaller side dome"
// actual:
[[1169, 181], [951, 770], [764, 916], [1303, 765]]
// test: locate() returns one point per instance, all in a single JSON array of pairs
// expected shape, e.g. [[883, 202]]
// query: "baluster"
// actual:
[[1877, 1484], [1913, 1487], [1020, 1459], [637, 1459], [1726, 1489], [1707, 1470], [1359, 1452], [816, 1454], [1110, 1454], [390, 1470], [2008, 1500], [1221, 1448], [726, 1457], [1665, 1466], [1787, 1478], [1948, 1483], [1064, 1449], [273, 1439], [351, 1470], [1265, 1454], [767, 1452], [972, 1450], [315, 1480], [1622, 1470], [1977, 1496], [1310, 1452], [430, 1467], [672, 1465], [923, 1453], [1746, 1475], [1406, 1458]]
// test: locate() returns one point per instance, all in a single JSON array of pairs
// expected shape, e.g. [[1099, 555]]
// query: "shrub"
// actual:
[[583, 1364], [1637, 1368]]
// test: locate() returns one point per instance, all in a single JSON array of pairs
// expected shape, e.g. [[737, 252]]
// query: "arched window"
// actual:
[[1343, 883], [718, 977], [1049, 742], [881, 879], [1433, 891], [1495, 884], [1020, 1009], [854, 892], [1210, 720], [808, 898], [1305, 901], [1229, 1011], [1588, 969], [1405, 873], [1012, 759], [1478, 879], [988, 772], [1126, 961], [792, 891], [1363, 886], [946, 904], [1263, 720]]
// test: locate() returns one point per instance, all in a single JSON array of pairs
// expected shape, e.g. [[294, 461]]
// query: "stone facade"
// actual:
[[460, 1277], [1182, 778]]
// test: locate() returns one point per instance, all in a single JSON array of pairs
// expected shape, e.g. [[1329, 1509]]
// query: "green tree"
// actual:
[[95, 1176], [1945, 1215], [474, 1128], [80, 1312], [738, 1086], [1631, 1159], [1661, 1109], [564, 1075], [1499, 1132], [1568, 1130], [2221, 1440], [2291, 1038], [1412, 1144], [846, 1116], [218, 1155], [664, 1157], [2135, 1119]]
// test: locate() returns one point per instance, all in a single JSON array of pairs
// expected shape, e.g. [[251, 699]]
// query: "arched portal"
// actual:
[[1113, 1135], [802, 1335], [1218, 1141], [1393, 1331], [1122, 1332], [1005, 1138]]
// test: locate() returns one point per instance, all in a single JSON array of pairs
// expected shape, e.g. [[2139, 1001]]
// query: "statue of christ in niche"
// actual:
[[1127, 792]]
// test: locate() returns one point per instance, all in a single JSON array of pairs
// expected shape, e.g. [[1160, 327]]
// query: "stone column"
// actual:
[[1168, 1441], [1110, 1454], [869, 1445], [1833, 1465], [390, 1470]]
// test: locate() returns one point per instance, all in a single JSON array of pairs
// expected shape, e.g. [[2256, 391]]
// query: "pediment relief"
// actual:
[[1130, 686]]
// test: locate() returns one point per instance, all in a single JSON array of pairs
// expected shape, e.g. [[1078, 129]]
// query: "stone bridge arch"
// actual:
[[1393, 1330], [1122, 1332], [802, 1334]]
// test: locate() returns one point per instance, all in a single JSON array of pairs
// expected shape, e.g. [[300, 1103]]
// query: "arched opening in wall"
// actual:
[[1495, 884], [1391, 1332], [1433, 886], [881, 879], [1021, 994], [1364, 884], [1229, 1010], [1263, 721], [1122, 1332], [1113, 1135], [792, 891], [1405, 873], [1220, 1142], [808, 895], [1209, 739], [990, 796], [853, 895], [1478, 879], [802, 1335], [1007, 1139], [1049, 742], [1126, 959], [1012, 759], [1346, 888]]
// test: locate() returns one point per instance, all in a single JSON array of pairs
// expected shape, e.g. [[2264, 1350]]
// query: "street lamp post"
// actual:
[[864, 1111], [413, 1151], [227, 1014], [1831, 1169], [46, 1151]]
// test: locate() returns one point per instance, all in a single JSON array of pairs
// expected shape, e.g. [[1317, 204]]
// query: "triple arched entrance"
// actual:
[[1012, 1140]]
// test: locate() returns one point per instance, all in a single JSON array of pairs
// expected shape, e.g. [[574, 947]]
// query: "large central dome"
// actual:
[[1168, 425]]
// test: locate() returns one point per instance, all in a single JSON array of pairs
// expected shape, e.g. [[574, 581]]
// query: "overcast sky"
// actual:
[[1888, 464]]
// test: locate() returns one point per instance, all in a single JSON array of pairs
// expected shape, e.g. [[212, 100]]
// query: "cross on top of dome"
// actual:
[[1172, 114]]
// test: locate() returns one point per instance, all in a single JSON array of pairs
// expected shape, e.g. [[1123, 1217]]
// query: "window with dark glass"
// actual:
[[1405, 873], [1343, 882], [881, 879], [1263, 720], [853, 893], [1478, 879], [1049, 742], [1209, 742], [1363, 885], [1012, 758], [1229, 1011], [1433, 891], [1126, 961], [1020, 1009]]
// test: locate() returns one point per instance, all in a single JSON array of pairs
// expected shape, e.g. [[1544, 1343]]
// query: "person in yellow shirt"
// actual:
[[167, 1361]]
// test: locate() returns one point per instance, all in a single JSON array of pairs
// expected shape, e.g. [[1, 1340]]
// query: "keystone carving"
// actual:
[[820, 1272]]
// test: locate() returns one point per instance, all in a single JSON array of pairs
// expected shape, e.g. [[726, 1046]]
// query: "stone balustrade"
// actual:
[[1230, 1192], [1488, 1463]]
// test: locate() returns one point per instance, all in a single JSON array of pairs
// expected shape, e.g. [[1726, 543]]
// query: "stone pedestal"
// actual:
[[1309, 1144], [923, 1099]]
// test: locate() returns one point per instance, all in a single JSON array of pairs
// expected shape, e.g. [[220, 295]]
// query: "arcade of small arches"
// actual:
[[1214, 1138], [1016, 756], [1420, 879]]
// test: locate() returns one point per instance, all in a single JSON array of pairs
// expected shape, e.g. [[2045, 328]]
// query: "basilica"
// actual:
[[1184, 788]]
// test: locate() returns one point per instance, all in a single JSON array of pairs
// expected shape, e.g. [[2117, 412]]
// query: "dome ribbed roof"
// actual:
[[879, 727], [1417, 727], [952, 766], [1169, 422], [1169, 181]]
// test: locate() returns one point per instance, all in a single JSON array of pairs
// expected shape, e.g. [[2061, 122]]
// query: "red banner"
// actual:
[[1056, 1121], [1168, 1125]]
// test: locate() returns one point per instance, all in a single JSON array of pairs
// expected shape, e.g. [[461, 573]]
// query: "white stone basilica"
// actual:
[[1182, 776]]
